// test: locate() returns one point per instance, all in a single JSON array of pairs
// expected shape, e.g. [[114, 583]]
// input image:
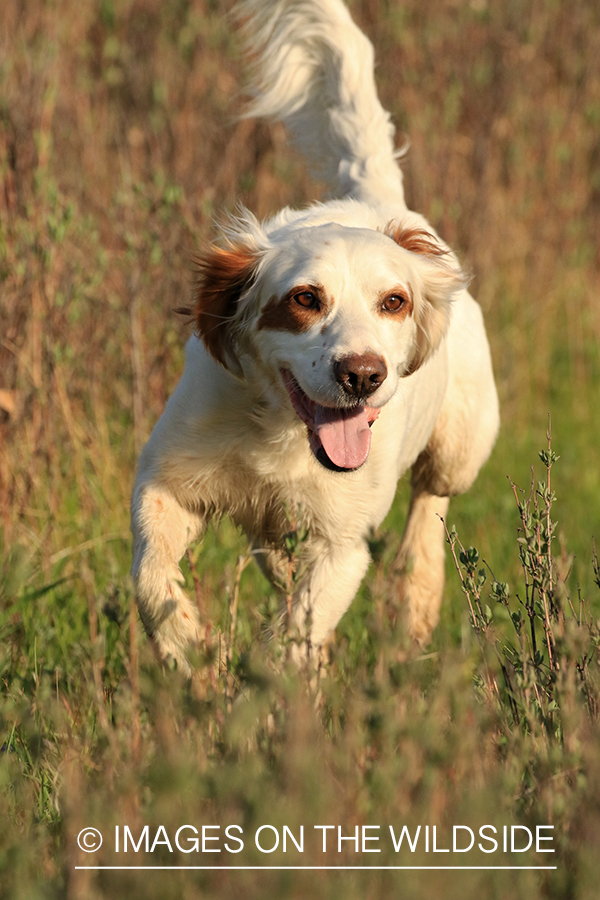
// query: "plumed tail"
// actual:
[[314, 72]]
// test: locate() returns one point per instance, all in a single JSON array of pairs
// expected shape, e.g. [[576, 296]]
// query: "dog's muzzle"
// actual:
[[339, 437]]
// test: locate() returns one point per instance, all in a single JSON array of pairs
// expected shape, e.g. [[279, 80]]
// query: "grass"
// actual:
[[117, 147]]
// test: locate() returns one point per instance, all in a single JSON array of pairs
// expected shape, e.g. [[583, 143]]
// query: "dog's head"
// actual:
[[334, 316]]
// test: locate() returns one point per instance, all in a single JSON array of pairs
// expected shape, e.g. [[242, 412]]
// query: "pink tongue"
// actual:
[[344, 434]]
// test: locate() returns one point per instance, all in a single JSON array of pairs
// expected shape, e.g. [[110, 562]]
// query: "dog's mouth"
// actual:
[[339, 437]]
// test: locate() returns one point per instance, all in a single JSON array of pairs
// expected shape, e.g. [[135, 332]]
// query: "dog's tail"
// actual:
[[314, 72]]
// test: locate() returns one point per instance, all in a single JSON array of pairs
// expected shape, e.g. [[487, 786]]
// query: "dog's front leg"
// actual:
[[162, 530], [332, 580]]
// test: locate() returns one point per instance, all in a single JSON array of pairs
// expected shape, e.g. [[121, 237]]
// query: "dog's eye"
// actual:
[[307, 299], [393, 302]]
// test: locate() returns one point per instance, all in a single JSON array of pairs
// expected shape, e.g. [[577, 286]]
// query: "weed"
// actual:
[[117, 146]]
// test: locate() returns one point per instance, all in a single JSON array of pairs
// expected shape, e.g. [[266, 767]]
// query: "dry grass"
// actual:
[[118, 146]]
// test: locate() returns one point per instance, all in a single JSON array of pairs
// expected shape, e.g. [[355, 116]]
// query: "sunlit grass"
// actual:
[[117, 149]]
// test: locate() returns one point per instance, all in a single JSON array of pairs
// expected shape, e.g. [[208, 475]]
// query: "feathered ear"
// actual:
[[441, 277], [224, 275]]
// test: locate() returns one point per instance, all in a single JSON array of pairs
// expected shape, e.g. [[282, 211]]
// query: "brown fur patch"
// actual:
[[415, 240], [223, 275], [285, 314]]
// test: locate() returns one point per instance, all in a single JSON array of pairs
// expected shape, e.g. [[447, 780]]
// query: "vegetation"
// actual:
[[118, 146]]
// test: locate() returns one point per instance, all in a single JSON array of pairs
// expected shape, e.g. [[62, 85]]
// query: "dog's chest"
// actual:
[[270, 498]]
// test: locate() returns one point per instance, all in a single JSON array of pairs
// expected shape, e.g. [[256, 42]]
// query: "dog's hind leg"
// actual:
[[162, 530], [421, 561], [461, 441]]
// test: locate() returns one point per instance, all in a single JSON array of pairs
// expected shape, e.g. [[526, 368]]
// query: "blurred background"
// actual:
[[119, 148]]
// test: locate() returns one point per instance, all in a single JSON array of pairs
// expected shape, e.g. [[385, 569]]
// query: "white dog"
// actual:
[[336, 347]]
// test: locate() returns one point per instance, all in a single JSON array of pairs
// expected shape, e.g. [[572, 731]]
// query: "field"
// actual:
[[119, 146]]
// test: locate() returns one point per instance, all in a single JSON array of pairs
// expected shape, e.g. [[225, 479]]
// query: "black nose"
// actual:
[[360, 375]]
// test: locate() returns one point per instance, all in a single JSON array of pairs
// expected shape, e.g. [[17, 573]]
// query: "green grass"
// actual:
[[117, 148]]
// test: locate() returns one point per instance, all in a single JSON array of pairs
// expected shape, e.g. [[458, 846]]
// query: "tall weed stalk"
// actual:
[[539, 646]]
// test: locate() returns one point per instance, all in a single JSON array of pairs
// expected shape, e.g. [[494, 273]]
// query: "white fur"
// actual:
[[230, 441]]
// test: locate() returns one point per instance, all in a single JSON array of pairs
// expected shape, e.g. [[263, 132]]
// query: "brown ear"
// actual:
[[415, 240], [223, 276], [441, 277]]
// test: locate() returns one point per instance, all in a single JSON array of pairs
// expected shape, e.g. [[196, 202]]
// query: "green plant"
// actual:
[[548, 654]]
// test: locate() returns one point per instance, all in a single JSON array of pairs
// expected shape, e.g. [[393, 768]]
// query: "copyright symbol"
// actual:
[[89, 840]]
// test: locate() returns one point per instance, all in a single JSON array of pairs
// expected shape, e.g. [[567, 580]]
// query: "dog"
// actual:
[[335, 348]]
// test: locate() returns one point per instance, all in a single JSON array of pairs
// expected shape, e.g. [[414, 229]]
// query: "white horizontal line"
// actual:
[[321, 868]]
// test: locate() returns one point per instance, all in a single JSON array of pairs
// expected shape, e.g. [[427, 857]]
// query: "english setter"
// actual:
[[336, 347]]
